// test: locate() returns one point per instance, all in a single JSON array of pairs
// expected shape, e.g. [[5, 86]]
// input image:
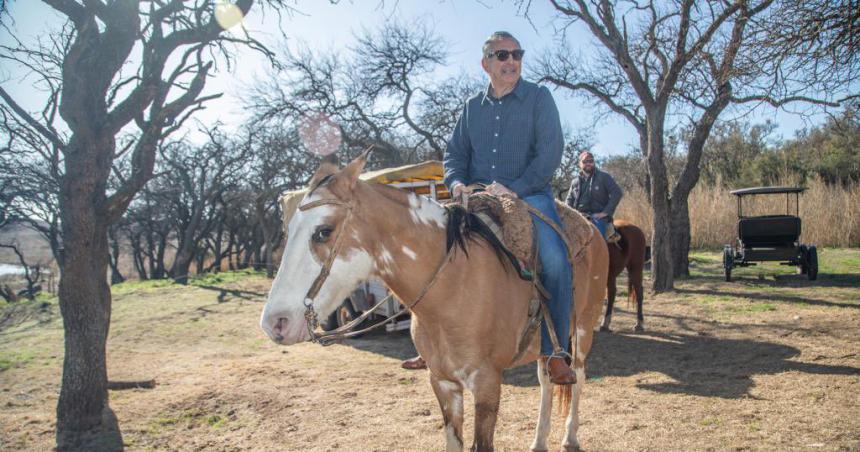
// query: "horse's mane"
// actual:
[[463, 226]]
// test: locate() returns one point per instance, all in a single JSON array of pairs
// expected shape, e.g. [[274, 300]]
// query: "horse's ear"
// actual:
[[355, 168], [328, 166]]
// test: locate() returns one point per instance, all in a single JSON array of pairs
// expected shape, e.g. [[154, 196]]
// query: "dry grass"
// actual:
[[770, 362], [830, 214]]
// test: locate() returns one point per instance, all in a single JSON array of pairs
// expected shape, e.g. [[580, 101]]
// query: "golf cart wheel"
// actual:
[[728, 262], [812, 263], [340, 317], [802, 267]]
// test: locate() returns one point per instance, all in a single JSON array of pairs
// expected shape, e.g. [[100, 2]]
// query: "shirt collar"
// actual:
[[519, 92]]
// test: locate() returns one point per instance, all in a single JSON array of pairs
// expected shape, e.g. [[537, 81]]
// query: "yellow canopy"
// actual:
[[429, 170]]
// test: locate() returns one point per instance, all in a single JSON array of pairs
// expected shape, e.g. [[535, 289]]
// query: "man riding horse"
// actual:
[[509, 138], [594, 193]]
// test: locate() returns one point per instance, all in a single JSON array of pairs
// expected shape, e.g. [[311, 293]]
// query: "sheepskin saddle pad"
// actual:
[[511, 221]]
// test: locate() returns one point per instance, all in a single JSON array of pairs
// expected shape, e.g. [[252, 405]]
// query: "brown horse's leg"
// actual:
[[634, 275], [543, 424], [450, 397], [487, 391], [611, 289]]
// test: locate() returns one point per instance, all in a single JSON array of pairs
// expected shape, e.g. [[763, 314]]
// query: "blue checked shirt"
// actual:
[[515, 141]]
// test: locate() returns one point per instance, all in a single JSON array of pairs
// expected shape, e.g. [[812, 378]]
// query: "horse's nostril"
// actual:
[[281, 326]]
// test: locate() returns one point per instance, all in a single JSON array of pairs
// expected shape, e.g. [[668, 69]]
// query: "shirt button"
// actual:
[[493, 167], [494, 150], [495, 134], [497, 117]]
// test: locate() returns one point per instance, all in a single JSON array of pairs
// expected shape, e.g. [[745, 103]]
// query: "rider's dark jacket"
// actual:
[[605, 192]]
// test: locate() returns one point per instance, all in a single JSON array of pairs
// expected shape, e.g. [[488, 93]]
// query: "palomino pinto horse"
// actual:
[[629, 253], [468, 310]]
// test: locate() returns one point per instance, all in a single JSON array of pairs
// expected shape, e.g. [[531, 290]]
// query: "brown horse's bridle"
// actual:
[[311, 318]]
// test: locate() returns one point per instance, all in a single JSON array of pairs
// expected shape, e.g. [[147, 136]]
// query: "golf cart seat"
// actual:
[[769, 231]]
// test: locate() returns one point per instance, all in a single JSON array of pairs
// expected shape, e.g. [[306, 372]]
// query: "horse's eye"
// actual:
[[322, 234]]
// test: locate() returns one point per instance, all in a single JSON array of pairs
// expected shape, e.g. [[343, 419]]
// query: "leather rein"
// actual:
[[311, 317]]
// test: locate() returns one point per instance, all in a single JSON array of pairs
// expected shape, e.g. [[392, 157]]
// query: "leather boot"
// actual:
[[415, 363], [558, 370]]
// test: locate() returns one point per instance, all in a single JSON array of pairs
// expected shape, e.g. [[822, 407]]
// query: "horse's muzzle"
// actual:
[[283, 330]]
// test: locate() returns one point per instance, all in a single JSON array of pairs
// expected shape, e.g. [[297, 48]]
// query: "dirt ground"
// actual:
[[763, 363]]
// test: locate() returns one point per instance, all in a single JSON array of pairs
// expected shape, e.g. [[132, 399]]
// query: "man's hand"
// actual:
[[598, 215], [497, 189], [459, 190]]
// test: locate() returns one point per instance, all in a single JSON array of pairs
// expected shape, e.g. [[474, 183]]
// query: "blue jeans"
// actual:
[[556, 273], [601, 225]]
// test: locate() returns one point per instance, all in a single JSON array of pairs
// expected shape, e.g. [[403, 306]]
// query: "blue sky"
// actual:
[[463, 24]]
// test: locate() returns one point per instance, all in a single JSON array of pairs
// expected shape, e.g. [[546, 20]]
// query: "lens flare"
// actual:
[[319, 133], [228, 15]]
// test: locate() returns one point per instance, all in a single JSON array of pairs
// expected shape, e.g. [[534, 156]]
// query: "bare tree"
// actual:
[[32, 275], [380, 94], [645, 48], [687, 59], [93, 94], [279, 163], [198, 176]]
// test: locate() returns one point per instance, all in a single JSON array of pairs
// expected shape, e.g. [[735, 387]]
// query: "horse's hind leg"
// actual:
[[572, 424], [543, 425], [634, 274], [450, 397], [487, 390], [611, 290]]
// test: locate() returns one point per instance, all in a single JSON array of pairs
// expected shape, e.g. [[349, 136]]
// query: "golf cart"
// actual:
[[423, 179], [770, 237]]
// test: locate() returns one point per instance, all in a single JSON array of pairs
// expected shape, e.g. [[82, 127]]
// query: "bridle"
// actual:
[[311, 318]]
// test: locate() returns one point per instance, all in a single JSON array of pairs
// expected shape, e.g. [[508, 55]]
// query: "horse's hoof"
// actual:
[[605, 329], [570, 448], [639, 328], [538, 450]]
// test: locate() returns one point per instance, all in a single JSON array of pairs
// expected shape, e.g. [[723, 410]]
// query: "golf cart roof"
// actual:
[[424, 171], [766, 190]]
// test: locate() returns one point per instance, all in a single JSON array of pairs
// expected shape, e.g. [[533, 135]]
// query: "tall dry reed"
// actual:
[[830, 214]]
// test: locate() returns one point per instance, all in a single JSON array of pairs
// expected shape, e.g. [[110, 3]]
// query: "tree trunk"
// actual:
[[85, 304], [115, 275], [662, 274], [181, 265], [680, 226]]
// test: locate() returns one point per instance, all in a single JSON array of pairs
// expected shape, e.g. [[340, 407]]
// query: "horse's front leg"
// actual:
[[543, 425], [487, 390], [450, 397], [572, 424]]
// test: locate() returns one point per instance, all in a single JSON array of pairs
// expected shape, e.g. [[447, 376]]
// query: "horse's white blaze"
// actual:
[[424, 211], [299, 268], [296, 273], [409, 253]]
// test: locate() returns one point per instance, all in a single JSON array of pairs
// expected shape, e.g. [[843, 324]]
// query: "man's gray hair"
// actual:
[[497, 36]]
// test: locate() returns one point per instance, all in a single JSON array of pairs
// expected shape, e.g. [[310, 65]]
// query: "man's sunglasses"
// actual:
[[502, 55]]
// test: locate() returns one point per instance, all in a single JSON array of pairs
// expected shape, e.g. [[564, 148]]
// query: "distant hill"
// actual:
[[35, 248]]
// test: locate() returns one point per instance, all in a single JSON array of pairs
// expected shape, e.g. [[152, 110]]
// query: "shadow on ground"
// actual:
[[769, 279], [698, 364], [771, 297]]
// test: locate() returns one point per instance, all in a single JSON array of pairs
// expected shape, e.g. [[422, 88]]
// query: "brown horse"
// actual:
[[468, 305], [629, 253]]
